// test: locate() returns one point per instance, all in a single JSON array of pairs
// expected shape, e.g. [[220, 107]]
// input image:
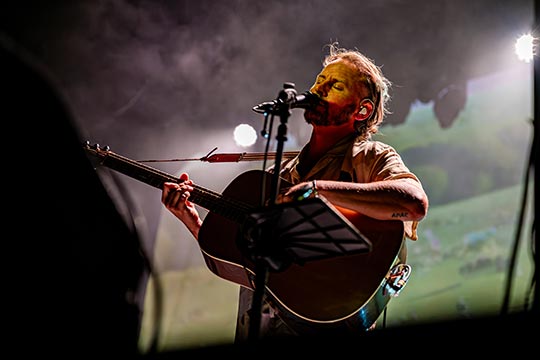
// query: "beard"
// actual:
[[326, 114]]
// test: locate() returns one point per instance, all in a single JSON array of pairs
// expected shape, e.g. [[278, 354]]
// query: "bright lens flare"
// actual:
[[525, 47], [245, 135]]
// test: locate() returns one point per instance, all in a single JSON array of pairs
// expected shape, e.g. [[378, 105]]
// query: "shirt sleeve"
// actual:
[[375, 161]]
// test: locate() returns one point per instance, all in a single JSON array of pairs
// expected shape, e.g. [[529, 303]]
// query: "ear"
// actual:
[[365, 110]]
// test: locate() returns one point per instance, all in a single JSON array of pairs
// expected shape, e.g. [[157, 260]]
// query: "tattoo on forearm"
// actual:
[[399, 215]]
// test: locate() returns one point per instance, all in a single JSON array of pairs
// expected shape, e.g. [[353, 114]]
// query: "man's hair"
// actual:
[[373, 80]]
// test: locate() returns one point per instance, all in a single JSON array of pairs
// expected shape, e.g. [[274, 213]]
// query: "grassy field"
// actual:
[[460, 267]]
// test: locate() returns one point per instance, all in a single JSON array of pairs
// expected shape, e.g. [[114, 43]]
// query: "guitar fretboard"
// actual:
[[230, 208]]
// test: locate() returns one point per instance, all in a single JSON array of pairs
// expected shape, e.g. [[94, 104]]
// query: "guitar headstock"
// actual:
[[103, 156], [96, 149]]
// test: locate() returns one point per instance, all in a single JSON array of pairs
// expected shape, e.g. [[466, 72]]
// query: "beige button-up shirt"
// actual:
[[356, 160]]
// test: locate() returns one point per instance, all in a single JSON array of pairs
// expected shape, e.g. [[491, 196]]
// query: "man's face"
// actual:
[[338, 86]]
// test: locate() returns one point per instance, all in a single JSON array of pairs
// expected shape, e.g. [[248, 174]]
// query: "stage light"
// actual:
[[245, 135], [525, 47]]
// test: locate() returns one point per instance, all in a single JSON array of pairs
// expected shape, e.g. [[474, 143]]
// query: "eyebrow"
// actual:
[[336, 80]]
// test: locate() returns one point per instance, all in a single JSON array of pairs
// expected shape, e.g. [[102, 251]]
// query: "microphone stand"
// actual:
[[279, 235], [282, 108]]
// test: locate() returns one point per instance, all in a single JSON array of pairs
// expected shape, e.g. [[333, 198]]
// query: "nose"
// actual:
[[320, 89]]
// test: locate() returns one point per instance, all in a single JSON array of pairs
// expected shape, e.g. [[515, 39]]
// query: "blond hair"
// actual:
[[372, 79]]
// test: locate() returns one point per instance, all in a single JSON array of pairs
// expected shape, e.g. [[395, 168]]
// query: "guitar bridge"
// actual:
[[396, 279]]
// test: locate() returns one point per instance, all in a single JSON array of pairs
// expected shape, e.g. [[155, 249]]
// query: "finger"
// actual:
[[181, 196], [168, 188], [178, 202], [171, 199], [174, 198]]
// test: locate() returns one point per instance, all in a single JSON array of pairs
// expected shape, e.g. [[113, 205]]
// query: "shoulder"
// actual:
[[378, 161], [366, 147]]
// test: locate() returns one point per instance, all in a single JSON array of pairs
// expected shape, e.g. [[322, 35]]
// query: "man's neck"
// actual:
[[323, 138]]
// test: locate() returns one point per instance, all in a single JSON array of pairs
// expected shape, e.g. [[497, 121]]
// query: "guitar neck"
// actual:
[[208, 199]]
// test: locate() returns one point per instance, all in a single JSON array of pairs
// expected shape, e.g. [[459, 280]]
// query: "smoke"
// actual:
[[156, 79]]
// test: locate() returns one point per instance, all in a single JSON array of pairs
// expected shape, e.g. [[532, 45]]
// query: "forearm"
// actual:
[[191, 220], [194, 227], [384, 200]]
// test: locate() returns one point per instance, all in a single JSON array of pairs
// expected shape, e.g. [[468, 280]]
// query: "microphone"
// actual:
[[305, 100]]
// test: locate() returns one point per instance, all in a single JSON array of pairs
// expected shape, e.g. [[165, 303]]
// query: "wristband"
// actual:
[[310, 192]]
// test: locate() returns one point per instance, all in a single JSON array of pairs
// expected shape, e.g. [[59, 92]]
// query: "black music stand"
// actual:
[[307, 230]]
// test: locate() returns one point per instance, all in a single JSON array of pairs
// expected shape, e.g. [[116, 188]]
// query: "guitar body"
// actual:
[[327, 291]]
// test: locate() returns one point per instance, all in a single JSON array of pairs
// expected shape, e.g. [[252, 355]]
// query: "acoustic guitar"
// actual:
[[328, 291]]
